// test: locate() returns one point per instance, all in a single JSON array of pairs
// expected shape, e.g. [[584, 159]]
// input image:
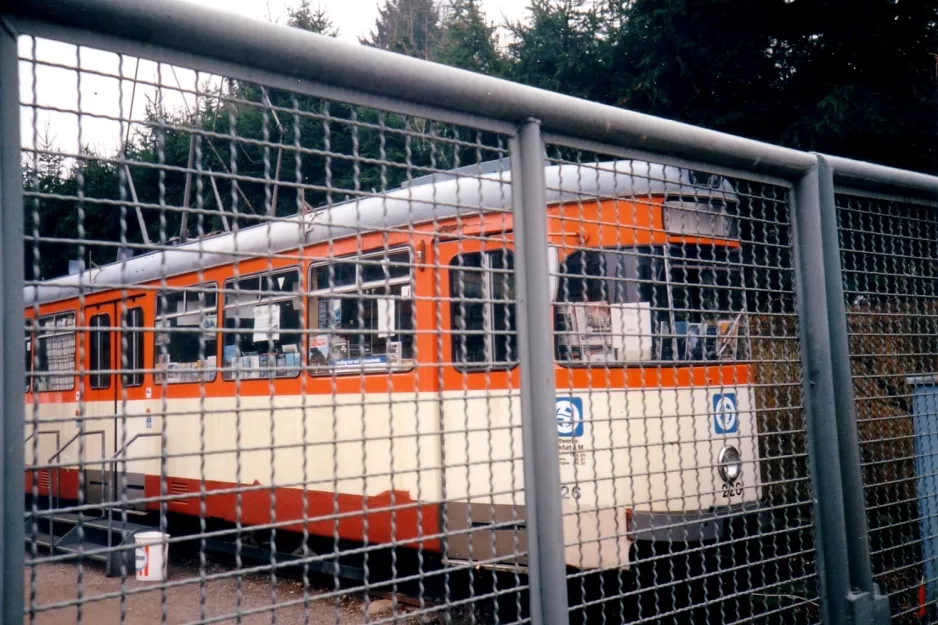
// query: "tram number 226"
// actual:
[[733, 490], [569, 492]]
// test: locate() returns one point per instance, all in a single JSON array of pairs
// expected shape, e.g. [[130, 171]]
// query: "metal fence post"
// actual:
[[868, 605], [819, 398], [547, 570], [12, 550]]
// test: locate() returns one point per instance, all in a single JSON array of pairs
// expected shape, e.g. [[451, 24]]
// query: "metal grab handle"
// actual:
[[128, 443], [40, 433], [75, 438]]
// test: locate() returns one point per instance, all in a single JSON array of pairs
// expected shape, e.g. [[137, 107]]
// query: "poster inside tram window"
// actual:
[[325, 349], [727, 339], [266, 323]]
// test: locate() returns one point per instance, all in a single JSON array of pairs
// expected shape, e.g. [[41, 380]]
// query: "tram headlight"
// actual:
[[729, 464]]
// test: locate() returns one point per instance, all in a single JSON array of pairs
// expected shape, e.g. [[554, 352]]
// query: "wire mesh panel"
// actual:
[[888, 256], [271, 354], [300, 351], [681, 432]]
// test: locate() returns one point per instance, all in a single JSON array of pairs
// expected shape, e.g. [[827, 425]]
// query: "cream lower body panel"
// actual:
[[645, 455], [651, 450], [638, 451]]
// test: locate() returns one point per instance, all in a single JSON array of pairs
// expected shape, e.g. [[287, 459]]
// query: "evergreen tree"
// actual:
[[410, 27], [557, 48], [707, 62], [315, 20], [468, 40], [858, 80], [850, 78], [861, 79]]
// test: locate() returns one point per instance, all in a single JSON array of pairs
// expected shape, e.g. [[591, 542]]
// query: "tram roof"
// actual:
[[438, 196]]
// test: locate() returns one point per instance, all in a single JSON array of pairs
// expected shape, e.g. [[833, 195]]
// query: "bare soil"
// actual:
[[66, 594]]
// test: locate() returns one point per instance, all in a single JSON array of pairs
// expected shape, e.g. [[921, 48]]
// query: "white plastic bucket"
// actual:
[[151, 556]]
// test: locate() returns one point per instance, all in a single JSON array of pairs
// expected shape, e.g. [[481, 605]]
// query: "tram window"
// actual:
[[701, 304], [603, 311], [667, 303], [335, 275], [610, 276], [482, 310], [263, 326], [55, 353], [29, 354], [186, 338], [363, 322], [99, 351], [132, 347]]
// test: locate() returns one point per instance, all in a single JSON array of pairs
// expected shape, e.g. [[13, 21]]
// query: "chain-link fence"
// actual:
[[317, 333]]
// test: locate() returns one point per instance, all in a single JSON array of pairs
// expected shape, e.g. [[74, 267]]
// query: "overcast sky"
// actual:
[[353, 18], [51, 83]]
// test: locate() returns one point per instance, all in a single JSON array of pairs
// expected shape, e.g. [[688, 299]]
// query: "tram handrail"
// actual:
[[78, 435]]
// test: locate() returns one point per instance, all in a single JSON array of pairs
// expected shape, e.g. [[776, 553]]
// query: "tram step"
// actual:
[[100, 523], [89, 550], [40, 539], [102, 539]]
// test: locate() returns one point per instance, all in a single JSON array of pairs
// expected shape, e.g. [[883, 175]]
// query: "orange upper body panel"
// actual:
[[576, 225]]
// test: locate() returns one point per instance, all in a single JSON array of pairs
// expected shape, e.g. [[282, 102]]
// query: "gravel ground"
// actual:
[[58, 583]]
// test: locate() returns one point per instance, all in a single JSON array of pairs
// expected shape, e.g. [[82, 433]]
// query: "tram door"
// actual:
[[113, 364]]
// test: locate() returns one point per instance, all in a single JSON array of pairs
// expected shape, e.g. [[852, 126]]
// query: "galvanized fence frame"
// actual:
[[12, 467], [845, 176], [174, 32]]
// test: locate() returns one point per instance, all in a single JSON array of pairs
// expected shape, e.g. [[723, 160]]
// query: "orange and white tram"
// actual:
[[361, 357]]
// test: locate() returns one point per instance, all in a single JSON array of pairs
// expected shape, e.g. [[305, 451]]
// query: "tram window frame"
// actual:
[[490, 299], [28, 348], [262, 370], [353, 281], [587, 283], [43, 376], [211, 354], [133, 319], [651, 285], [727, 339], [100, 336]]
